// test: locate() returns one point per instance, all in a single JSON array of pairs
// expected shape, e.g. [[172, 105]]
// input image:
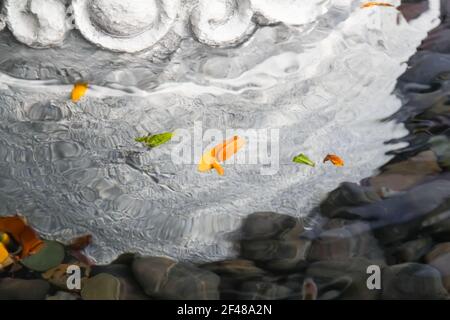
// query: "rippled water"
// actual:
[[75, 168]]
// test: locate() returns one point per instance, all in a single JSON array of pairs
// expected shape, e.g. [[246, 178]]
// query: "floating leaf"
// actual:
[[51, 255], [80, 243], [334, 159], [23, 234], [78, 91], [221, 152], [228, 148], [376, 4], [302, 159], [155, 140], [4, 254]]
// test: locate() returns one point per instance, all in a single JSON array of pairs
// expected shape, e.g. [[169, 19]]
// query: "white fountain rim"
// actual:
[[12, 7], [131, 44]]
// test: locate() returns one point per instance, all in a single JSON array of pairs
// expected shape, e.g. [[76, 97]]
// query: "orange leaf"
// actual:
[[334, 159], [221, 152], [81, 242], [22, 233], [229, 148], [78, 91], [376, 4]]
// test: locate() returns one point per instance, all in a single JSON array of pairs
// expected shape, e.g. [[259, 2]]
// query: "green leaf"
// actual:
[[302, 159], [155, 140]]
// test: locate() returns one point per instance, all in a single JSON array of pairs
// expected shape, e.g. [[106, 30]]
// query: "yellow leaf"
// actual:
[[22, 234], [4, 254], [78, 91], [220, 153]]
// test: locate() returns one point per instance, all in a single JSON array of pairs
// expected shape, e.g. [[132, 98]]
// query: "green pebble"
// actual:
[[50, 256]]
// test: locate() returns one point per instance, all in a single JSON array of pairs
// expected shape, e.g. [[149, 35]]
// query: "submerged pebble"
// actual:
[[412, 281], [164, 278], [20, 289]]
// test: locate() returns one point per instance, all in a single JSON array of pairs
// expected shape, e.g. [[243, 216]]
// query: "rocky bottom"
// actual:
[[398, 220]]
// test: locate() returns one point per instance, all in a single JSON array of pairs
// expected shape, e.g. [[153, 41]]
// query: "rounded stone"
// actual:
[[345, 241], [119, 18], [439, 258], [263, 289], [51, 255], [410, 251], [342, 280], [37, 23], [101, 287], [19, 289], [164, 278], [129, 287], [236, 268], [271, 225], [412, 281], [125, 26], [222, 23]]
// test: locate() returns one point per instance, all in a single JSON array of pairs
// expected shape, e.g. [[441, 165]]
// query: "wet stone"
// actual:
[[435, 120], [63, 295], [347, 195], [58, 275], [427, 65], [403, 175], [165, 278], [263, 290], [125, 258], [129, 288], [439, 258], [399, 217], [411, 251], [440, 145], [101, 287], [412, 281], [439, 40], [19, 289], [275, 254], [395, 234], [352, 239], [239, 268], [271, 225], [413, 9], [342, 280], [232, 273], [437, 223]]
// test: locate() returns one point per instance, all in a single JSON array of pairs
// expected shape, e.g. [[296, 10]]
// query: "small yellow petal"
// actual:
[[79, 90]]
